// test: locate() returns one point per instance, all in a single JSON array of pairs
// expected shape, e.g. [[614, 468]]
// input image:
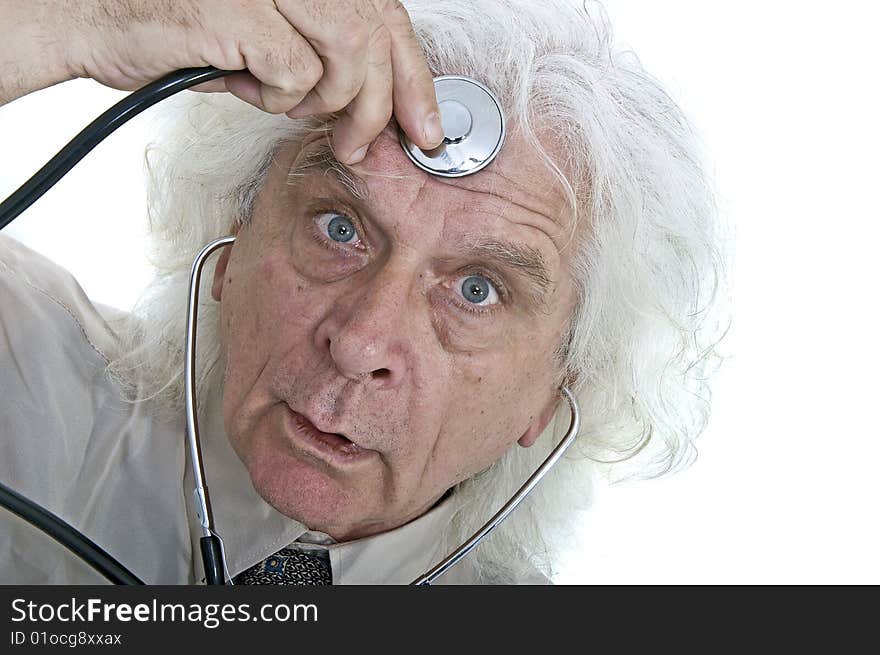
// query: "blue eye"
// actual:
[[338, 227], [478, 290]]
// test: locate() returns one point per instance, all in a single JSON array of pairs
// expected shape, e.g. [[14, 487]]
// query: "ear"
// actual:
[[220, 274], [220, 270], [531, 435]]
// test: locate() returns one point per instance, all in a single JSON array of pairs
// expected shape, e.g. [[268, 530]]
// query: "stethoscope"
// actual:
[[473, 125]]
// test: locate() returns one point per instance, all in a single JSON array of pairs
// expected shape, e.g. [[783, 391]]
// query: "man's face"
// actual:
[[381, 349]]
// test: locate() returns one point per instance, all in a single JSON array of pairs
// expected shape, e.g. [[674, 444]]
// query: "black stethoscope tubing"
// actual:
[[98, 130], [28, 193], [68, 536]]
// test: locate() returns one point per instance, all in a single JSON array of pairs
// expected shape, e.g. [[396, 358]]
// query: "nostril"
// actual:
[[381, 373]]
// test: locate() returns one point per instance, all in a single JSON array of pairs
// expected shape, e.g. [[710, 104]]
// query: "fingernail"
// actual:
[[434, 129], [358, 155]]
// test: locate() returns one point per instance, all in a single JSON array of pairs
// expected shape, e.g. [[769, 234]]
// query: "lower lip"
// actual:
[[324, 445]]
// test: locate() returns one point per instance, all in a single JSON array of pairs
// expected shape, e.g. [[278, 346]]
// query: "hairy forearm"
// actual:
[[32, 51]]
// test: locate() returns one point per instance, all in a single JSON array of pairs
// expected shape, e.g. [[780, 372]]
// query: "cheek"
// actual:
[[250, 313], [494, 404], [270, 310], [243, 319]]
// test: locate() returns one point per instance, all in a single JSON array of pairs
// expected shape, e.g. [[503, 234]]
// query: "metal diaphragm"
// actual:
[[473, 128]]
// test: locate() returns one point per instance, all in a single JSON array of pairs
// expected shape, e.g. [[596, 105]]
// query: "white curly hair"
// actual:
[[649, 270]]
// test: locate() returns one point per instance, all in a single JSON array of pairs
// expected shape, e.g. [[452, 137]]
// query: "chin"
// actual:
[[307, 494]]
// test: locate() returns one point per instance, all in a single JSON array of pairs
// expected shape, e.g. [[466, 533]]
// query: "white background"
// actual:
[[785, 93]]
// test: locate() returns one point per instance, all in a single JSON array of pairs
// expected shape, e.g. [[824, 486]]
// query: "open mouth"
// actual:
[[335, 445]]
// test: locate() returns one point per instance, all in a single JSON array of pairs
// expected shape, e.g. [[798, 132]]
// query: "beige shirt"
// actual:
[[108, 467]]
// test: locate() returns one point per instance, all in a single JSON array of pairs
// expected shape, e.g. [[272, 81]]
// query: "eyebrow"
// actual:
[[320, 159]]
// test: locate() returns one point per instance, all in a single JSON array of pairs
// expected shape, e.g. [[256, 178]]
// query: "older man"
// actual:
[[379, 340]]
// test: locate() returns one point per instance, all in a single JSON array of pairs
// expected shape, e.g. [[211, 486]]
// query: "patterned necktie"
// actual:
[[289, 566]]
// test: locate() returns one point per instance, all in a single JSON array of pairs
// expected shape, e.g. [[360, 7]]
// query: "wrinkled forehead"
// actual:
[[516, 181]]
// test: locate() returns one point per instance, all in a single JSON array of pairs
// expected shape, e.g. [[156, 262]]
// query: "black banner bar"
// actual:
[[135, 618]]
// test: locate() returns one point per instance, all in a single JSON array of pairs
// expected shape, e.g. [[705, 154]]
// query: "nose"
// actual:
[[363, 332]]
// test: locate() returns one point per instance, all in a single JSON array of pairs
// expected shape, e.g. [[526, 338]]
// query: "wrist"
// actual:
[[34, 51]]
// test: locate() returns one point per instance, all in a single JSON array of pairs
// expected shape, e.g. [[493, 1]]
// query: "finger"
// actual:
[[415, 101], [245, 86], [213, 86], [285, 65], [345, 68], [370, 111]]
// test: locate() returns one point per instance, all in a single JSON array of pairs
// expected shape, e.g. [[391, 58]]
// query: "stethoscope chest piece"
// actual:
[[473, 125]]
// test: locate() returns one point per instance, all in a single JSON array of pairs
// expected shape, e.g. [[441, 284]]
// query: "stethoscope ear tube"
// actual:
[[214, 559], [213, 556]]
